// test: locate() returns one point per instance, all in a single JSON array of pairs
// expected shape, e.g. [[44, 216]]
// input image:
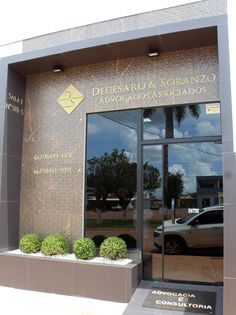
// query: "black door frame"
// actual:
[[140, 144]]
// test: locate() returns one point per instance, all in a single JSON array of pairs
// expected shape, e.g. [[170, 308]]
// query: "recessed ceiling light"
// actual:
[[57, 69], [153, 54]]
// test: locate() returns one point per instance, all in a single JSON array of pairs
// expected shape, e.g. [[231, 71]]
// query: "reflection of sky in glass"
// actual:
[[195, 159], [112, 130], [205, 125], [154, 126], [192, 160], [118, 130]]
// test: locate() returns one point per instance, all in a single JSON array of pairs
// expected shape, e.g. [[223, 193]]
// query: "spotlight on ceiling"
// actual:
[[153, 53], [57, 68]]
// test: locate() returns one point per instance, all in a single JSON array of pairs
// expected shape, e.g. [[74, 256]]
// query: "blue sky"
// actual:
[[117, 130]]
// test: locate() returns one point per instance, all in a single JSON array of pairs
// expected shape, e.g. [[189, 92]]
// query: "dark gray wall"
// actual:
[[11, 125]]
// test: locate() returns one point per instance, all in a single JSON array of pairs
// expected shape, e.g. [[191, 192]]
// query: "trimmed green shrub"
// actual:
[[55, 244], [84, 248], [113, 247], [30, 243]]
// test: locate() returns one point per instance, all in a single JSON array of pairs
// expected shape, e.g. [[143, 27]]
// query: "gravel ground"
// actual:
[[100, 260]]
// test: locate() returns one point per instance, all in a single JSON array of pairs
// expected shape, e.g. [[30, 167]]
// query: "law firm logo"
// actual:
[[70, 99]]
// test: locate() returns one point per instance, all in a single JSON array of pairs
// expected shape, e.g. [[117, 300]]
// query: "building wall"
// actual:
[[183, 13], [191, 15], [52, 182]]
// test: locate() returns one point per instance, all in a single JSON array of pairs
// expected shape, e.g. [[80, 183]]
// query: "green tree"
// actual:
[[99, 180], [175, 187], [115, 174], [151, 177]]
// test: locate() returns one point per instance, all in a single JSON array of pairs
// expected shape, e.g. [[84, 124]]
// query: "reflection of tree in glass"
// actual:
[[179, 113], [114, 174], [172, 114], [111, 174], [175, 187], [151, 177]]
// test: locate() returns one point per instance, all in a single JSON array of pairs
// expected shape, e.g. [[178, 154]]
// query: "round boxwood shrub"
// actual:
[[55, 244], [30, 243], [84, 248], [113, 247]]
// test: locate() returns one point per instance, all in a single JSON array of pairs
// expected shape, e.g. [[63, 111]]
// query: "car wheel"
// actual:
[[174, 246]]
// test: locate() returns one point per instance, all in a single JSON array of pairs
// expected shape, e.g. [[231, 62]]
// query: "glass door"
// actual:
[[152, 205], [183, 210]]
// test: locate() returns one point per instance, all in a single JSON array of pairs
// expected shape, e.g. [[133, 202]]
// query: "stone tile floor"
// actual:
[[15, 301]]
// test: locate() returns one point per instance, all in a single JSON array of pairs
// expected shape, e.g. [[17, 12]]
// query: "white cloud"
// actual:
[[93, 129], [131, 156], [205, 128], [154, 133], [199, 168], [153, 155], [129, 139], [199, 159], [192, 160], [178, 134], [177, 168], [204, 168]]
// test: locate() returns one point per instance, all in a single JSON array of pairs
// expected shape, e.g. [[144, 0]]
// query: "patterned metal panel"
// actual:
[[54, 142]]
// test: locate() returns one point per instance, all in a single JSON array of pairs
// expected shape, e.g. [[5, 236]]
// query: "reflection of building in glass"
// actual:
[[209, 190], [152, 202], [112, 202], [188, 201]]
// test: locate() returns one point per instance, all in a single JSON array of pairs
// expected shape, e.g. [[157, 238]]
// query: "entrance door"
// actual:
[[183, 237]]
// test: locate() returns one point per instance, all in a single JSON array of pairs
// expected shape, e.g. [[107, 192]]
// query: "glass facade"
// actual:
[[111, 182], [186, 217], [176, 217], [183, 121]]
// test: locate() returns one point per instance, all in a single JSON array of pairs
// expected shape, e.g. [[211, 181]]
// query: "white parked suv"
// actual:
[[196, 230]]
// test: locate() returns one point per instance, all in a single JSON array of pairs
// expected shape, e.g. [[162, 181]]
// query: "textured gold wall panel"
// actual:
[[52, 180]]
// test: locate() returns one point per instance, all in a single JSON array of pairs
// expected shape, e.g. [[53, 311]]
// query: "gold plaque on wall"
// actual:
[[70, 99], [213, 108]]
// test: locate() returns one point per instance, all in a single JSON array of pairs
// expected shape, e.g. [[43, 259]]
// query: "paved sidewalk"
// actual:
[[38, 303]]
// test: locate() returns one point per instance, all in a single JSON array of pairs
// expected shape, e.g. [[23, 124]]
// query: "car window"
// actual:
[[186, 218], [210, 217]]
